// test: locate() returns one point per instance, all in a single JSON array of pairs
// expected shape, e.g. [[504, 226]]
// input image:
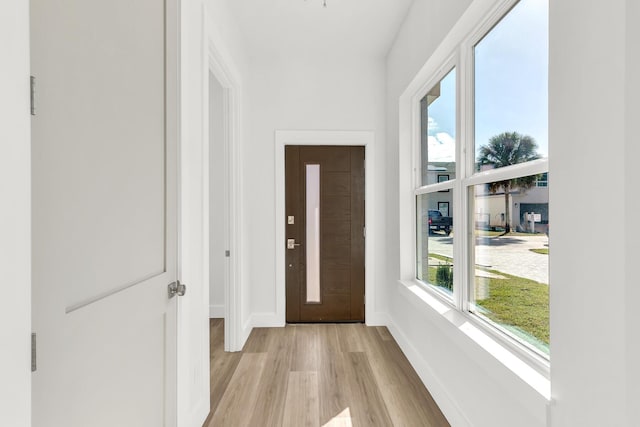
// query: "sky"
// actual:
[[511, 81]]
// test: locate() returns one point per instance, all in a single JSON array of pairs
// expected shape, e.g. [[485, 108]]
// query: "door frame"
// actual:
[[217, 62], [324, 137], [15, 214]]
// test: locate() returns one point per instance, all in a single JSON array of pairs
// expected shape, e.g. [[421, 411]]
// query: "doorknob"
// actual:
[[177, 288], [291, 244]]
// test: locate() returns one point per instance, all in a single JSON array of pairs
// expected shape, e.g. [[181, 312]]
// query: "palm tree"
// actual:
[[505, 149]]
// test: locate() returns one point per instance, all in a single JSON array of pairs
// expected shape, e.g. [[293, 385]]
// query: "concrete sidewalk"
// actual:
[[508, 254]]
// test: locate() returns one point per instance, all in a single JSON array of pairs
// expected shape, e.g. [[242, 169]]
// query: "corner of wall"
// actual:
[[378, 318]]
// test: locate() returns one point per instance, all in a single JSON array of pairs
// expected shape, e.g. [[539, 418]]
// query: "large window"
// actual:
[[494, 177]]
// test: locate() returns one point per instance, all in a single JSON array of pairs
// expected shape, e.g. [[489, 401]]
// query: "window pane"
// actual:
[[511, 88], [438, 131], [511, 269], [313, 233], [435, 240]]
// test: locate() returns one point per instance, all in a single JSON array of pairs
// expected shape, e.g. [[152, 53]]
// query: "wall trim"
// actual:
[[15, 216], [379, 318], [266, 320], [245, 332], [217, 61], [216, 311], [324, 137]]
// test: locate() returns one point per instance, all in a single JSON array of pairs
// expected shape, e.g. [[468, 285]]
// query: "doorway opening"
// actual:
[[221, 205], [219, 252]]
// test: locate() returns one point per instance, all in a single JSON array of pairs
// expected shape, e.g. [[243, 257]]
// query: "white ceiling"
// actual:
[[305, 27]]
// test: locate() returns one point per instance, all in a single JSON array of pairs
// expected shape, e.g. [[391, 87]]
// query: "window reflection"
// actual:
[[438, 134], [435, 240], [511, 271]]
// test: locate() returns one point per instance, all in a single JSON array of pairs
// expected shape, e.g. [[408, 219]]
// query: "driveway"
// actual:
[[508, 254]]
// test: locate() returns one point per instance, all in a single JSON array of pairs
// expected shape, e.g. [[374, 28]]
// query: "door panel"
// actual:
[[104, 212], [341, 223]]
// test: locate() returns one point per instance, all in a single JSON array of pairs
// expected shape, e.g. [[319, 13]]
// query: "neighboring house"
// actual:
[[535, 200], [442, 201]]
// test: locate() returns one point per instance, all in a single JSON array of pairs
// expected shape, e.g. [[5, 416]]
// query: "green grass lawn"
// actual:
[[520, 305], [517, 302], [543, 251]]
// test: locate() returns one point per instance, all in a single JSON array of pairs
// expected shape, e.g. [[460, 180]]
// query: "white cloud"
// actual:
[[442, 147]]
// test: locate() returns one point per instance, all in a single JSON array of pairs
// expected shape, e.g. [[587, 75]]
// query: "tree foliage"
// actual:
[[506, 149]]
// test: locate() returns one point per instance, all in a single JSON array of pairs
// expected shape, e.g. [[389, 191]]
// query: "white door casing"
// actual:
[[15, 214], [218, 62], [218, 200], [325, 137], [104, 161], [194, 245]]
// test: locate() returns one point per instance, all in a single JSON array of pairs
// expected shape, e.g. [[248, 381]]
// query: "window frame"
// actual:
[[460, 55], [450, 64]]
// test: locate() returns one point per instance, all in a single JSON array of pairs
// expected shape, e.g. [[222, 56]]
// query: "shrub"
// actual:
[[444, 276]]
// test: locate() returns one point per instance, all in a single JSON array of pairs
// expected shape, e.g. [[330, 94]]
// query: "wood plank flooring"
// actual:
[[317, 375]]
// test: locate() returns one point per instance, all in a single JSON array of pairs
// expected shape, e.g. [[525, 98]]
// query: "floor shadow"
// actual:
[[496, 241], [442, 239]]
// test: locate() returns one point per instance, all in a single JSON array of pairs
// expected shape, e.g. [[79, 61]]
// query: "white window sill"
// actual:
[[425, 299]]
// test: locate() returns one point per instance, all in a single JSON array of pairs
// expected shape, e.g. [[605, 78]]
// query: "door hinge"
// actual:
[[33, 352], [227, 253], [364, 232], [32, 81]]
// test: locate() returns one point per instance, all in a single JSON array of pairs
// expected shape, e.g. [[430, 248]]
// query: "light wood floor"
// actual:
[[317, 375]]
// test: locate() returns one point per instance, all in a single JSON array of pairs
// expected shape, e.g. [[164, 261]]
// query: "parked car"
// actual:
[[437, 222]]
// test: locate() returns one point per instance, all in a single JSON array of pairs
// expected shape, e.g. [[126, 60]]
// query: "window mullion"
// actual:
[[464, 162]]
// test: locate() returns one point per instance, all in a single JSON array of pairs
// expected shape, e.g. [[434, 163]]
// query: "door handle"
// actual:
[[177, 288], [291, 244]]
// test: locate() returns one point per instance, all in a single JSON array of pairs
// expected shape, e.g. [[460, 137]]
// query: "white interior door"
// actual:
[[104, 161]]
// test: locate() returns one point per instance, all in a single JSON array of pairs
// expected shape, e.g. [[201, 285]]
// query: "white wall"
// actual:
[[594, 323], [15, 214], [217, 204], [631, 228], [304, 93], [426, 24], [472, 387], [595, 345]]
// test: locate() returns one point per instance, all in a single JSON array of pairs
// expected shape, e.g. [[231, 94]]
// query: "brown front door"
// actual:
[[324, 233]]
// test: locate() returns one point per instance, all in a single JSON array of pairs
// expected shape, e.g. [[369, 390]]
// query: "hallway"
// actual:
[[317, 375]]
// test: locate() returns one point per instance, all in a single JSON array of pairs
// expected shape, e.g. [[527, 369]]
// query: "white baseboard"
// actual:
[[200, 413], [266, 320], [216, 312], [258, 320], [247, 327], [447, 404], [378, 319]]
